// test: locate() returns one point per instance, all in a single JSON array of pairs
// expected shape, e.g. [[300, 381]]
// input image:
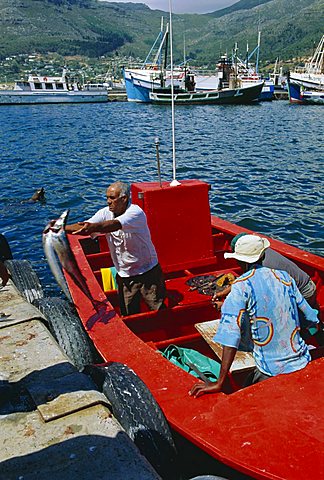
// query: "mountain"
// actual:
[[94, 28], [241, 5], [289, 28]]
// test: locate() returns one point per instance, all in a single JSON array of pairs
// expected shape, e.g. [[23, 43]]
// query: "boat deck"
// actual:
[[265, 424]]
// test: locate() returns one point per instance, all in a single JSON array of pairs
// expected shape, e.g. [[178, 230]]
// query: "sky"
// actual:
[[184, 6]]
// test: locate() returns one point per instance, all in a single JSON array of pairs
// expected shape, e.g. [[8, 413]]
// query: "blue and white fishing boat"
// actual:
[[151, 81], [153, 73], [39, 89], [249, 73], [311, 77], [299, 94], [307, 86]]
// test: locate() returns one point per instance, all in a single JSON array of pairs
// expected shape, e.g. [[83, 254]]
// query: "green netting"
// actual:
[[192, 362]]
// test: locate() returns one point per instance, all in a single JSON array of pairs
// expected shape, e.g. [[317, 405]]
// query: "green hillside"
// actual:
[[92, 28], [241, 5]]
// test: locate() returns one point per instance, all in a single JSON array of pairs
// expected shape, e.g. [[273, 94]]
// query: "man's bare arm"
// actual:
[[215, 387], [87, 228]]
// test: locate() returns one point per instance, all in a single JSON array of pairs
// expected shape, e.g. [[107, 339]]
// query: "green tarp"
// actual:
[[193, 362]]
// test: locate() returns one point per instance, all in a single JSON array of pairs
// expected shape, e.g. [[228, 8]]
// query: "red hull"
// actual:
[[272, 430]]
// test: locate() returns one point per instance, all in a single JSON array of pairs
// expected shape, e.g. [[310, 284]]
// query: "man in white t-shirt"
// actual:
[[132, 251]]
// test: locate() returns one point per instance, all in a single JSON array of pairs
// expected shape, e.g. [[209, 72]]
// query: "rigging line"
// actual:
[[174, 181]]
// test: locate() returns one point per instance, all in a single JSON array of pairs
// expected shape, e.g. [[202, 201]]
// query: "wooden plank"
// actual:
[[242, 361]]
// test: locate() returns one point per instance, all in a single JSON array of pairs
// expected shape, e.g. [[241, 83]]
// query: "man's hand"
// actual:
[[202, 388], [217, 303], [86, 228], [218, 297]]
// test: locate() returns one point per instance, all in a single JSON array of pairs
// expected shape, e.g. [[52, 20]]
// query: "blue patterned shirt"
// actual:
[[268, 300]]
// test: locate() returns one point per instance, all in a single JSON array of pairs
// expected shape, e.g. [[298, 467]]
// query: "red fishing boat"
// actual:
[[271, 430]]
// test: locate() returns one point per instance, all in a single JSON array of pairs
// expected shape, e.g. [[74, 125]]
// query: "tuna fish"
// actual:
[[58, 254]]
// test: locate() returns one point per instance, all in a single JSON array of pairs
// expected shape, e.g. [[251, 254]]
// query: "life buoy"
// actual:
[[45, 79]]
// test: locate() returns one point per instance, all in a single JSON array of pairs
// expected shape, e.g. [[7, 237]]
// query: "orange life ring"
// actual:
[[45, 79]]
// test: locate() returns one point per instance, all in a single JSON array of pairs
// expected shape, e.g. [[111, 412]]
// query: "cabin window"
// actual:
[[38, 86], [48, 86], [59, 86]]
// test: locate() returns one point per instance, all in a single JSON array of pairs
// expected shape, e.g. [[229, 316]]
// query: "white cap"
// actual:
[[249, 248]]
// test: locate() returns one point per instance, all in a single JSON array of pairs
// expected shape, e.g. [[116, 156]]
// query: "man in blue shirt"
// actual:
[[268, 300], [273, 259]]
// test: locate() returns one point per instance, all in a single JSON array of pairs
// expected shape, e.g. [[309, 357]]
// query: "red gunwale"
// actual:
[[272, 430]]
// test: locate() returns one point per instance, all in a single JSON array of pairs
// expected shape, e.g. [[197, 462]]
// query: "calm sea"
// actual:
[[264, 163]]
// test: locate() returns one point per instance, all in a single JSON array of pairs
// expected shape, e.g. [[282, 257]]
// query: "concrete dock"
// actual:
[[117, 96], [54, 424]]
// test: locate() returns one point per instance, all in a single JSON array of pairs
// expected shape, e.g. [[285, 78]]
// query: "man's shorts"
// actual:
[[255, 376], [149, 285]]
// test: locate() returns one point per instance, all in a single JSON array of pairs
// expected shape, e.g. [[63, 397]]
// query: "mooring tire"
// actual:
[[25, 279], [135, 408], [208, 477], [5, 251], [67, 329]]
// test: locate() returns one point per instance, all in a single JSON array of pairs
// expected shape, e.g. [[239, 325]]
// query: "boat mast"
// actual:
[[162, 28], [258, 53], [174, 181], [316, 64], [165, 62]]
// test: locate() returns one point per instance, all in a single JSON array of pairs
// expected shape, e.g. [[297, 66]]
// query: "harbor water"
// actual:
[[264, 164]]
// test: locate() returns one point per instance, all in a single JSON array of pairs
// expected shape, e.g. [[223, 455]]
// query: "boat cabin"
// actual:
[[38, 84]]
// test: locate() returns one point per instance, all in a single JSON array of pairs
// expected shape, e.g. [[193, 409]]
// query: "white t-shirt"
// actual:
[[131, 248]]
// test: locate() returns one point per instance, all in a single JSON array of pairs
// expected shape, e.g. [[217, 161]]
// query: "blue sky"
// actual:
[[185, 6]]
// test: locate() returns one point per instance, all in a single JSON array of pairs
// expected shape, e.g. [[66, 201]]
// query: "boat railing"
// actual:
[[203, 72]]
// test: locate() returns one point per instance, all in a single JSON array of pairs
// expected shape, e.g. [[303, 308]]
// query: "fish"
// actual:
[[59, 255]]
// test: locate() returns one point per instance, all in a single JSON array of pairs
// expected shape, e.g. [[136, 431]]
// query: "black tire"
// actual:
[[135, 408], [5, 251], [25, 279], [67, 329]]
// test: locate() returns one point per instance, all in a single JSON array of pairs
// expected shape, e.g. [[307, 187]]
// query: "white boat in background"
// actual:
[[48, 89], [312, 75]]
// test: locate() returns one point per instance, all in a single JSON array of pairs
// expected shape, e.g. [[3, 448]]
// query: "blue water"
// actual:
[[264, 163]]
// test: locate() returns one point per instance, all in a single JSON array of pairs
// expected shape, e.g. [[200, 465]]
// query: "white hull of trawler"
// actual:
[[16, 97]]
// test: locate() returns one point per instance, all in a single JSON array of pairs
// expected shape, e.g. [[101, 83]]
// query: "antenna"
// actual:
[[157, 143], [174, 182]]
